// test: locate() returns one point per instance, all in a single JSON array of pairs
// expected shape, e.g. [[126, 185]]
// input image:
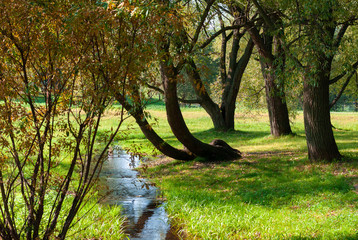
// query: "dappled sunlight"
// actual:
[[296, 197]]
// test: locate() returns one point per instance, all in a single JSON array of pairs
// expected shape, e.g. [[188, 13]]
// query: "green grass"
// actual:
[[273, 192]]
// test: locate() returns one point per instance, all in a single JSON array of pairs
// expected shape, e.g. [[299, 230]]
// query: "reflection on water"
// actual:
[[146, 215]]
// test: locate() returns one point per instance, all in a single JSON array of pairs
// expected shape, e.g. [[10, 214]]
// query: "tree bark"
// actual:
[[151, 135], [159, 143], [276, 105], [318, 127], [275, 96], [223, 116], [233, 82], [217, 150]]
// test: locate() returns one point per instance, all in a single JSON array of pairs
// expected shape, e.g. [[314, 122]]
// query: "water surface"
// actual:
[[146, 216]]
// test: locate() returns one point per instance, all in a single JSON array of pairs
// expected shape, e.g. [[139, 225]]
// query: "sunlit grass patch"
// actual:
[[260, 197], [273, 192]]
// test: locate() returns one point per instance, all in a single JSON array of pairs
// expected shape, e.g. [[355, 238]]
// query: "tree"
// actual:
[[321, 27], [52, 99], [316, 32], [272, 60], [188, 43], [218, 149]]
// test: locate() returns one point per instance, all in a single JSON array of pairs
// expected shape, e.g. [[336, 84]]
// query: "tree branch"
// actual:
[[340, 76], [215, 35], [342, 90], [202, 21], [263, 14], [188, 101], [340, 34]]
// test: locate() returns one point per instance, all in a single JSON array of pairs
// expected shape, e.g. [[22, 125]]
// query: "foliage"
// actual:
[[70, 54]]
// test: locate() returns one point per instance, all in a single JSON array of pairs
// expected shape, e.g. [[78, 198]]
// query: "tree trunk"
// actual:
[[356, 101], [217, 150], [223, 117], [205, 101], [275, 97], [319, 134], [276, 105], [233, 82], [159, 143], [151, 135]]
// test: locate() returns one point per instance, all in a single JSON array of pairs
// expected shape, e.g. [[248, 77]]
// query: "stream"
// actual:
[[146, 216]]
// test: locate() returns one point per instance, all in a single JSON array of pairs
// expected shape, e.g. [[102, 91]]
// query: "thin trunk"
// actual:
[[339, 95], [356, 101], [205, 101], [232, 86], [223, 117]]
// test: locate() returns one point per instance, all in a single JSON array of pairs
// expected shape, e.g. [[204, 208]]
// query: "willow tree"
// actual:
[[324, 24], [121, 56], [266, 33], [312, 42], [170, 69], [198, 25]]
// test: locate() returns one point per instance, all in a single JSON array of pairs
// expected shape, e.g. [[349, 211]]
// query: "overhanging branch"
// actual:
[[340, 76], [182, 100]]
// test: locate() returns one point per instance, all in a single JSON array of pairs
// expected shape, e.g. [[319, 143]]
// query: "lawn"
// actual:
[[273, 192]]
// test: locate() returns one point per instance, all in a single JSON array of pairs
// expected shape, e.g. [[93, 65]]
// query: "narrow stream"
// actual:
[[146, 215]]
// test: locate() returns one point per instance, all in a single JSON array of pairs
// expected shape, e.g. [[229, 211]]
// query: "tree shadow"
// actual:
[[267, 182], [239, 135], [346, 139]]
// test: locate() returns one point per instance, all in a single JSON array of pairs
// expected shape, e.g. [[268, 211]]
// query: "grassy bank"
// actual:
[[273, 192]]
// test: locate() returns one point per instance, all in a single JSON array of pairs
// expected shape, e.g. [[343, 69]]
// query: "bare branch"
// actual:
[[188, 101], [202, 21], [215, 35], [335, 100], [340, 76]]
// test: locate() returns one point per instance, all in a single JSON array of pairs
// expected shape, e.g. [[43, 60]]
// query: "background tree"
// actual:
[[311, 43], [323, 26], [272, 60], [189, 43]]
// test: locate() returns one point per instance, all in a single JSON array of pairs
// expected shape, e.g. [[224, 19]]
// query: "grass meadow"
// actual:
[[272, 192]]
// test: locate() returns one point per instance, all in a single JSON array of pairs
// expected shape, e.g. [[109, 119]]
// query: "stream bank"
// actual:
[[145, 213]]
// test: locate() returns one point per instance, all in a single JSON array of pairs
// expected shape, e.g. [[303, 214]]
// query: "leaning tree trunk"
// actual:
[[149, 132], [206, 102], [319, 134], [217, 150]]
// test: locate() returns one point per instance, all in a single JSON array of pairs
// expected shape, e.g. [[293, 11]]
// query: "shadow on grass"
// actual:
[[274, 183], [346, 139], [342, 237], [234, 135]]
